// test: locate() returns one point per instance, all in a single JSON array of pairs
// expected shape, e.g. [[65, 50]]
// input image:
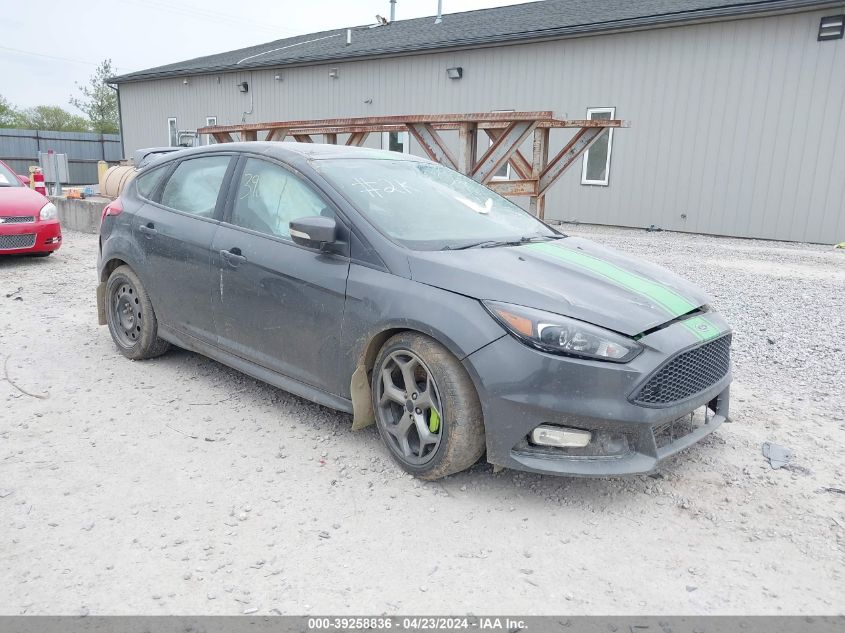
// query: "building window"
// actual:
[[596, 168], [208, 139], [173, 132], [396, 142]]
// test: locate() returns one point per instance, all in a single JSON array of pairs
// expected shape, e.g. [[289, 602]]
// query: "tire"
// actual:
[[131, 318], [438, 378]]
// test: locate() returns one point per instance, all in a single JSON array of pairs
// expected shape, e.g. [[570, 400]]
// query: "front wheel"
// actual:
[[427, 410], [130, 316]]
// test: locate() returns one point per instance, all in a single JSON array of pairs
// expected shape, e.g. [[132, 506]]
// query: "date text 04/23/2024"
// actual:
[[422, 623]]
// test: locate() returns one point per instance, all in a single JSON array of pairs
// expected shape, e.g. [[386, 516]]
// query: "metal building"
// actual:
[[737, 108]]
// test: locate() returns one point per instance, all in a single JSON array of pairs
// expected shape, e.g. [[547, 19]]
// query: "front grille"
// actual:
[[11, 242], [687, 374], [18, 219]]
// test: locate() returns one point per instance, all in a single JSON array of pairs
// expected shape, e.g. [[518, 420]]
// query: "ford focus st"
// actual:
[[412, 297]]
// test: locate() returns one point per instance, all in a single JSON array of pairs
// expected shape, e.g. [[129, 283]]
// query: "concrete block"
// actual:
[[80, 215]]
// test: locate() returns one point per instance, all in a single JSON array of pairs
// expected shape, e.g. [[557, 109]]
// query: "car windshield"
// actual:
[[8, 178], [426, 206]]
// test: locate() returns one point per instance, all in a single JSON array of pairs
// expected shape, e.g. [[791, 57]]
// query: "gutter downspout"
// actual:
[[251, 100]]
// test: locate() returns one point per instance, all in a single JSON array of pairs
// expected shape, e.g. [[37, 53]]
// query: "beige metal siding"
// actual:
[[736, 125]]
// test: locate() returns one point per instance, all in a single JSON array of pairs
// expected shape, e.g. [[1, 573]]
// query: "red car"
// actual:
[[29, 222]]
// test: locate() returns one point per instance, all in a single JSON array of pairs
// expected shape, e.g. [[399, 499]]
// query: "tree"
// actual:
[[52, 118], [98, 100], [10, 116]]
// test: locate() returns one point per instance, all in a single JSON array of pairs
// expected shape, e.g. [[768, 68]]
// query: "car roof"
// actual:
[[308, 151]]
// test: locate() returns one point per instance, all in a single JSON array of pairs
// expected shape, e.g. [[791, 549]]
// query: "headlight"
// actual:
[[561, 335], [49, 211]]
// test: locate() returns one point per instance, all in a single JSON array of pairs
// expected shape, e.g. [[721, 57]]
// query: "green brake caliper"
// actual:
[[434, 421]]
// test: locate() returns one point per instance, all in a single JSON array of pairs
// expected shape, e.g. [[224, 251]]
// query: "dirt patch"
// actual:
[[181, 486]]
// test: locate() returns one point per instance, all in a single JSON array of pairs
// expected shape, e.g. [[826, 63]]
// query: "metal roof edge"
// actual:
[[760, 8]]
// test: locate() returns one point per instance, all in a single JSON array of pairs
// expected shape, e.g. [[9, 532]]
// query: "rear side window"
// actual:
[[146, 183], [194, 186], [269, 197]]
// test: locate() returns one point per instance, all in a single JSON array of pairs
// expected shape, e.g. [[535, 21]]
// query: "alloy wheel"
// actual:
[[408, 407]]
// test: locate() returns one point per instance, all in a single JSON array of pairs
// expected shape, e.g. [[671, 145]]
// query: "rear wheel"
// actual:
[[427, 410], [130, 316]]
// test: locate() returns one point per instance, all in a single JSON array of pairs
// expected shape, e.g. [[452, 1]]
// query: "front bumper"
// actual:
[[37, 237], [521, 388]]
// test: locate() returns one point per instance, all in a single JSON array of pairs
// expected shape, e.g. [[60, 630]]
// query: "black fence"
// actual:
[[19, 149]]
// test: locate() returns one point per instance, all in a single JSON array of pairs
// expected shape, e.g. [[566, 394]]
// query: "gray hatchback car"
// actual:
[[412, 297]]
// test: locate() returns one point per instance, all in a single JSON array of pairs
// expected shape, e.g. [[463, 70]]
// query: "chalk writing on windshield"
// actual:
[[381, 187]]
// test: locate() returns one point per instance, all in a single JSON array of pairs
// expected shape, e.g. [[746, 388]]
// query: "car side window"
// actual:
[[269, 197], [195, 184], [146, 183]]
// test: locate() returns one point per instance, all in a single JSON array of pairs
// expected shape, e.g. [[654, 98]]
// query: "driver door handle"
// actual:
[[233, 257]]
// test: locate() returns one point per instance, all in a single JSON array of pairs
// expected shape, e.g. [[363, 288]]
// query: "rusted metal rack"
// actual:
[[507, 132]]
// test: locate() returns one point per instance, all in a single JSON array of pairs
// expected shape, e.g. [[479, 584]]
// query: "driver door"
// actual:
[[278, 304]]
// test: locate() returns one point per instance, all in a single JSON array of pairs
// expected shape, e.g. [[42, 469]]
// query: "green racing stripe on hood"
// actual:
[[703, 329], [668, 299]]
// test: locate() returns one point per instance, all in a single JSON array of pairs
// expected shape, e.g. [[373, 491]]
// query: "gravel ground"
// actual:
[[181, 486]]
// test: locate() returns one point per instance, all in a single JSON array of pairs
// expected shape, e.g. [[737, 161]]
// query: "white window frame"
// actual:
[[170, 141], [406, 144], [606, 181], [507, 175], [209, 140]]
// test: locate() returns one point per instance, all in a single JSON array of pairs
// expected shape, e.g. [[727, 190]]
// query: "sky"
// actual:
[[47, 46]]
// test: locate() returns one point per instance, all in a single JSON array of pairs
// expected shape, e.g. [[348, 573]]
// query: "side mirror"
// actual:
[[313, 232], [24, 180]]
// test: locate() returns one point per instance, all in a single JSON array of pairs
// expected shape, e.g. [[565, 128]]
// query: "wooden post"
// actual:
[[537, 204], [467, 135]]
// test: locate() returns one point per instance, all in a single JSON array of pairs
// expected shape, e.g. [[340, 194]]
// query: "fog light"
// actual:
[[548, 435]]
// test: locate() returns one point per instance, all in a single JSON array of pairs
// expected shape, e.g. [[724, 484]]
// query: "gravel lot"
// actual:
[[181, 486]]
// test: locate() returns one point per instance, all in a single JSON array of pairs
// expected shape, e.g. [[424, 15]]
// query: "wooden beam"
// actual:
[[249, 135], [357, 139], [400, 123], [501, 150], [568, 155], [222, 137], [330, 138], [432, 144], [303, 138], [277, 134], [517, 161], [514, 187]]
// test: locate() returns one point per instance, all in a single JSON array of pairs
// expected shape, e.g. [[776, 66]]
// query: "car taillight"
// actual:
[[115, 207]]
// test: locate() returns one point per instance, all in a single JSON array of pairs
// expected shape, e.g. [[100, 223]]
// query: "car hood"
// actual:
[[20, 201], [571, 276]]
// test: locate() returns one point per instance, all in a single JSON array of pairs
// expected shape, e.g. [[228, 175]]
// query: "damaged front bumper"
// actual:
[[521, 388]]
